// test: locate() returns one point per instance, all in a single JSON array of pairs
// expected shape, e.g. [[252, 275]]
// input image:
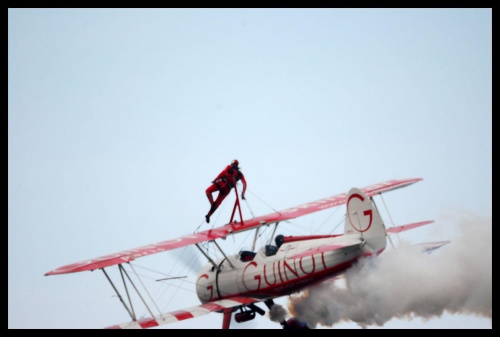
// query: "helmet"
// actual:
[[235, 163]]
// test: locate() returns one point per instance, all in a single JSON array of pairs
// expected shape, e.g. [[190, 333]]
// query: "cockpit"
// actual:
[[247, 255], [271, 250], [268, 250]]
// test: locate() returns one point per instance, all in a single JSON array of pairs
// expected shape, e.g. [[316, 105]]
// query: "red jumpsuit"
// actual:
[[224, 182]]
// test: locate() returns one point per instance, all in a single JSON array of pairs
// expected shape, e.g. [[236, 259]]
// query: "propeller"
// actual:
[[189, 257]]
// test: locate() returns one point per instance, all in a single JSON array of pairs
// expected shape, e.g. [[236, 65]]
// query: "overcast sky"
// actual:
[[119, 119]]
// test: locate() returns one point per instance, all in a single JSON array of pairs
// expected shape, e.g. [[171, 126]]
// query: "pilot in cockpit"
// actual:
[[271, 249], [246, 255]]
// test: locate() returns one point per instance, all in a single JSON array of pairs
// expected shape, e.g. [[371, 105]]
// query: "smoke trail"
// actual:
[[277, 313], [405, 283]]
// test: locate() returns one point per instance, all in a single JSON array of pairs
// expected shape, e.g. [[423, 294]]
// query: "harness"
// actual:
[[217, 184], [225, 179], [225, 187]]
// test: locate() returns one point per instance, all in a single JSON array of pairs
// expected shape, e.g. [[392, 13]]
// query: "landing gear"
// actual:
[[247, 313]]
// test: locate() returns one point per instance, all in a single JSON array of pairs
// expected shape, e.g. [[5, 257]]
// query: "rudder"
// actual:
[[363, 219]]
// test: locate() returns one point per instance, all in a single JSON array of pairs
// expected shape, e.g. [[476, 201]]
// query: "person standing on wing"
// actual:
[[224, 182]]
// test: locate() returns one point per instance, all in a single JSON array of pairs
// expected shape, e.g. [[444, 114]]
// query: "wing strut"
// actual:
[[137, 291], [275, 228], [125, 286], [210, 259], [255, 238], [206, 255], [390, 217], [223, 254], [118, 294], [236, 205], [227, 318], [131, 310], [147, 292]]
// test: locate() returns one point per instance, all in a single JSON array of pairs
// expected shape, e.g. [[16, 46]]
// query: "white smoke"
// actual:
[[277, 313], [405, 283]]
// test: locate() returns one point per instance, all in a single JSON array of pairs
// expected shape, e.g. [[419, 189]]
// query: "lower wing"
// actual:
[[192, 312]]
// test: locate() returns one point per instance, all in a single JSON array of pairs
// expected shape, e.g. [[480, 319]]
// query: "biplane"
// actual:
[[239, 283]]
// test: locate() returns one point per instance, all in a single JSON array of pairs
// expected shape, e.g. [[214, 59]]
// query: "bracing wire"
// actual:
[[198, 226], [178, 287], [141, 276], [248, 204], [339, 223], [145, 289], [265, 203], [290, 222], [328, 218], [222, 206], [155, 271], [390, 217], [160, 292]]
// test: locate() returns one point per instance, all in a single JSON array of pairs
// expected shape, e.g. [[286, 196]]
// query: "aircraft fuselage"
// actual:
[[280, 274]]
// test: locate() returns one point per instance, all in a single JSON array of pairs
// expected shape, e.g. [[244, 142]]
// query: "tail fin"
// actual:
[[364, 220]]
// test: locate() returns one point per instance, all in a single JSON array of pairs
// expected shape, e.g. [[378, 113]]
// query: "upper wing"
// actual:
[[340, 199], [192, 312], [222, 232]]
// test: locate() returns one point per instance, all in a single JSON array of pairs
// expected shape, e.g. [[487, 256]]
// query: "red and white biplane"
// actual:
[[236, 283]]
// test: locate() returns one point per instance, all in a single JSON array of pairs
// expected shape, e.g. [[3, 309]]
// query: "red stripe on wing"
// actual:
[[182, 314], [212, 306], [147, 323]]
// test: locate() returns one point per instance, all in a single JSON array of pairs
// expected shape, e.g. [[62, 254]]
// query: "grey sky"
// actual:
[[119, 119]]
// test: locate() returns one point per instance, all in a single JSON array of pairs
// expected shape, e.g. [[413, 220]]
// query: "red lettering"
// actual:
[[279, 271], [323, 259], [265, 276], [287, 266], [256, 277], [210, 288], [313, 265]]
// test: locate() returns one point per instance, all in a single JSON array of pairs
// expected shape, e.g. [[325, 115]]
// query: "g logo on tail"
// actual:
[[358, 224]]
